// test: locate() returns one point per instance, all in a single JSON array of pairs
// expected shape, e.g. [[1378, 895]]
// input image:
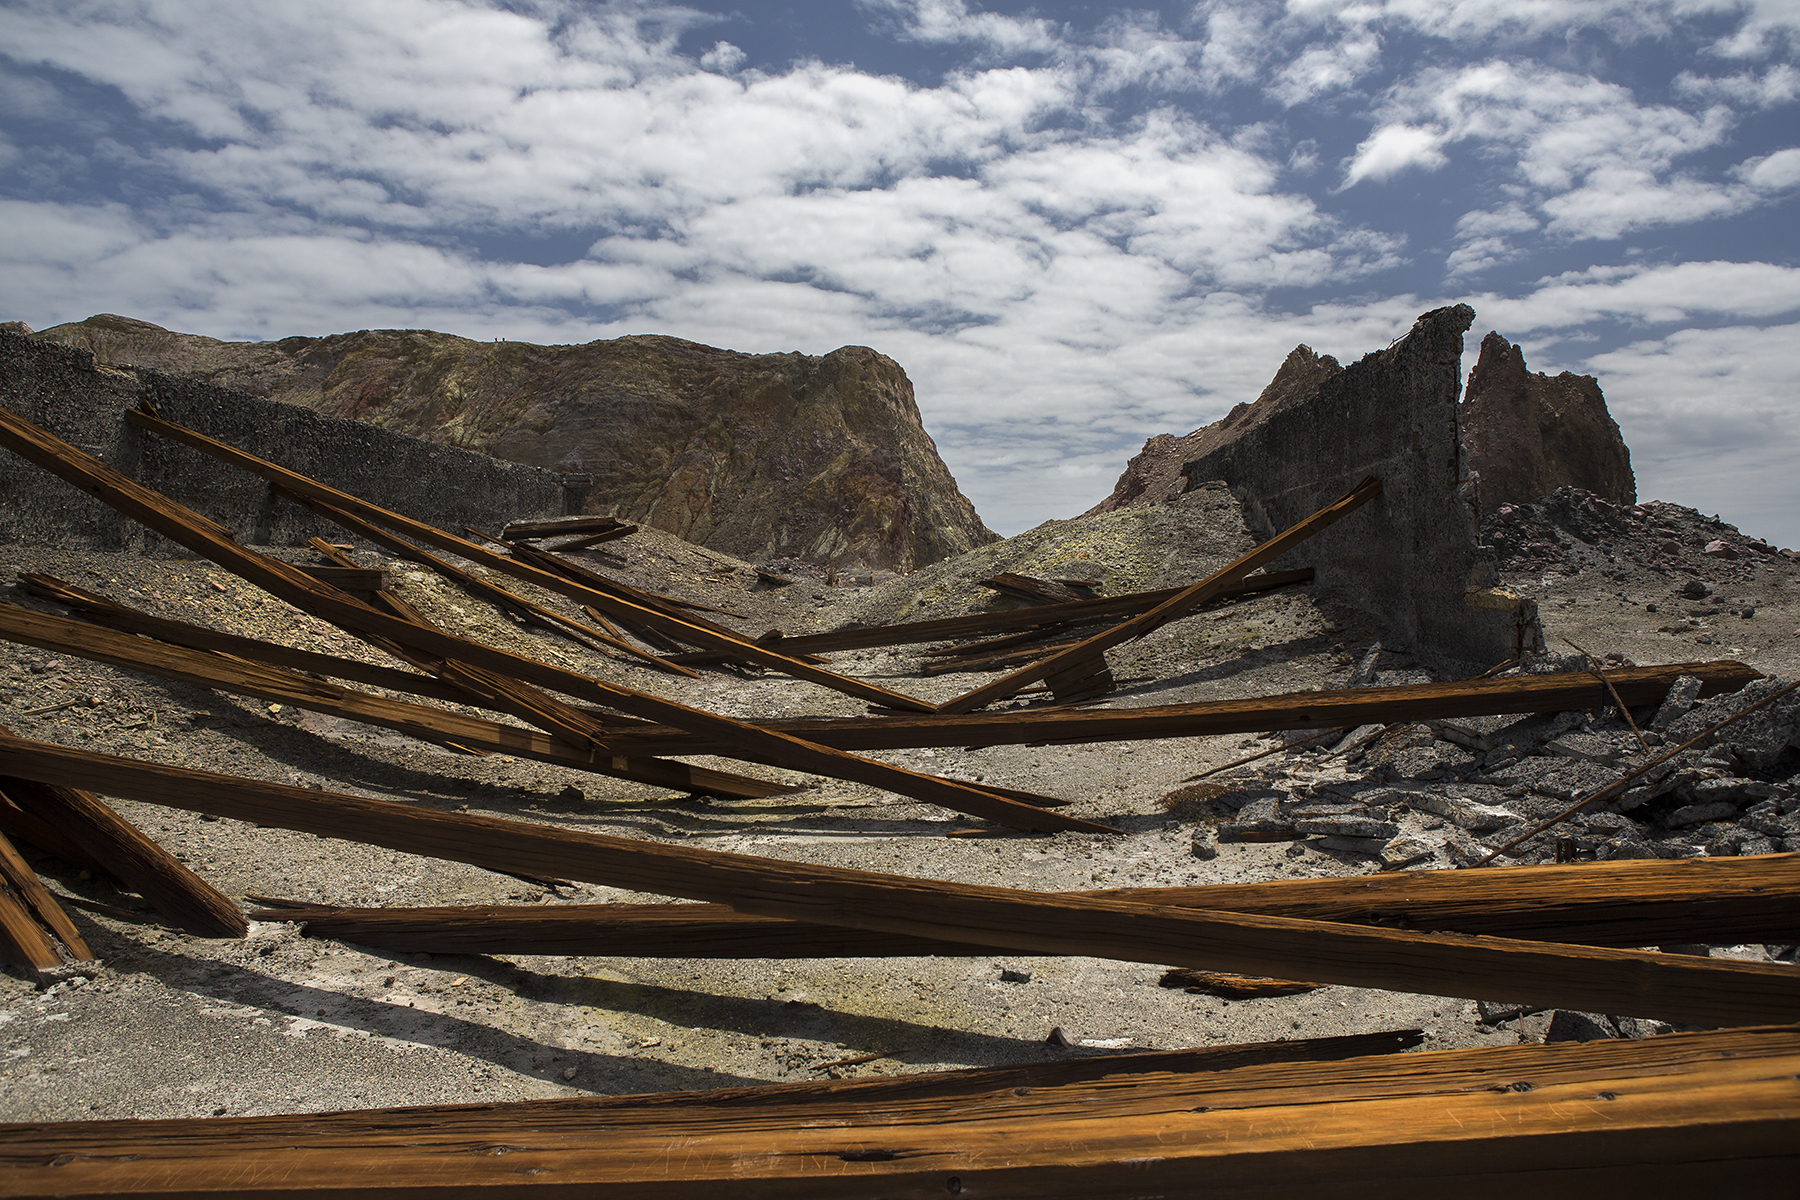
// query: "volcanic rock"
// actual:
[[1156, 472], [1529, 434], [823, 458]]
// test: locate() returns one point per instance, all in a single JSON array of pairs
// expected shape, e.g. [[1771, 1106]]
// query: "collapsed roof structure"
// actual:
[[1394, 538]]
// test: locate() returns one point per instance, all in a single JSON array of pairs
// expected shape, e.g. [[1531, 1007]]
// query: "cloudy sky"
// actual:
[[1075, 225]]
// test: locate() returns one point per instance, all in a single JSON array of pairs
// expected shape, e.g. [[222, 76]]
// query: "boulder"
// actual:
[[1528, 433], [757, 455]]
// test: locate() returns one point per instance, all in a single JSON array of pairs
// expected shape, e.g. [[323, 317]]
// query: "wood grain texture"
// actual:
[[1714, 1110], [207, 539], [1671, 987], [1727, 901], [37, 899], [270, 682], [1211, 718]]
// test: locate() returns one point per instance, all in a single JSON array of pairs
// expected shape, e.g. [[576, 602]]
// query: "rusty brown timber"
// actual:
[[1088, 656], [1671, 987], [1725, 901], [1717, 1112], [1292, 710], [209, 669], [206, 538]]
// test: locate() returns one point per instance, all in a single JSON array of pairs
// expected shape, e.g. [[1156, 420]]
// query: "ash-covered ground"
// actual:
[[167, 1024]]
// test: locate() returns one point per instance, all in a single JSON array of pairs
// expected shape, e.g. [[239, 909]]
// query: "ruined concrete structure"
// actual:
[[1411, 558], [1529, 433], [757, 455], [61, 389]]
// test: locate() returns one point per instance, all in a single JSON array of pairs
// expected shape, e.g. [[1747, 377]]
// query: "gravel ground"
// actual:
[[167, 1024]]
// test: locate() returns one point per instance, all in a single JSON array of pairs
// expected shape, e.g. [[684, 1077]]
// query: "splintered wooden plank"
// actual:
[[187, 528], [271, 682], [1667, 986], [558, 526], [1033, 590], [1211, 718], [31, 922], [130, 856], [1087, 657], [1717, 1112], [1719, 900]]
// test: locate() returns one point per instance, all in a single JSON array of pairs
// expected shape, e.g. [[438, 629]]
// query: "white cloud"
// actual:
[[1778, 85], [1710, 417], [952, 21], [1774, 172], [1392, 149], [1679, 292]]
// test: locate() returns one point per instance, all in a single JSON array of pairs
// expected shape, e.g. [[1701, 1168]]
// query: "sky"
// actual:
[[1074, 225]]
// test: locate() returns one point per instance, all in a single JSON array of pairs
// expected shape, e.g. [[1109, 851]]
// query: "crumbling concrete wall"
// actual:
[[62, 390], [1409, 558]]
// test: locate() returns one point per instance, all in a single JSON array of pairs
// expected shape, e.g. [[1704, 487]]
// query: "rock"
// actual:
[[1718, 549], [1157, 469], [750, 454], [1529, 434], [1465, 814], [1693, 589], [1585, 747], [1014, 975], [1347, 826], [1760, 738], [1354, 845], [1568, 1026], [1694, 814], [1408, 849], [1206, 843], [1676, 702], [1492, 1012]]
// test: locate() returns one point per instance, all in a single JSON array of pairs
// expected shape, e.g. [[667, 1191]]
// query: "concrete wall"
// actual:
[[60, 389], [1409, 558]]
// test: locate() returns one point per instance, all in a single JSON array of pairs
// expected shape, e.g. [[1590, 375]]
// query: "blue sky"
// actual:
[[1074, 225]]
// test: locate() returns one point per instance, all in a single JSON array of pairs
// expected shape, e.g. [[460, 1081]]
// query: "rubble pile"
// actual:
[[1451, 792], [1571, 530]]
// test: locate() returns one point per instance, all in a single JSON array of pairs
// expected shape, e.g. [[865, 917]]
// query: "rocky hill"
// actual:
[[822, 458], [1529, 433]]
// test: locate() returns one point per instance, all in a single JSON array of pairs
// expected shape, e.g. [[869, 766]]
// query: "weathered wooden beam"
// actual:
[[730, 644], [31, 922], [207, 539], [1078, 612], [1728, 901], [271, 682], [130, 856], [1716, 1112], [1032, 590], [1672, 987], [349, 578], [557, 526], [1088, 656], [1211, 718], [476, 586]]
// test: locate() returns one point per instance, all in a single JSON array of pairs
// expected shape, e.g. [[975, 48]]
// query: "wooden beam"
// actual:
[[557, 526], [1672, 987], [31, 922], [129, 855], [440, 726], [1349, 708], [207, 539], [1727, 901], [1717, 1112], [1078, 659]]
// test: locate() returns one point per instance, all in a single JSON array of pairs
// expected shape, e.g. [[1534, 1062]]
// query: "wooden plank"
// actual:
[[1349, 708], [1081, 611], [132, 857], [1594, 979], [207, 539], [735, 646], [270, 682], [1717, 1111], [1724, 901], [1178, 605], [27, 938], [507, 601], [1031, 589], [557, 526], [349, 578]]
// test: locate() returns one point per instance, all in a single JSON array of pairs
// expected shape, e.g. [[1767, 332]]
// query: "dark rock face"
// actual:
[[1529, 434], [1155, 473], [762, 455]]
